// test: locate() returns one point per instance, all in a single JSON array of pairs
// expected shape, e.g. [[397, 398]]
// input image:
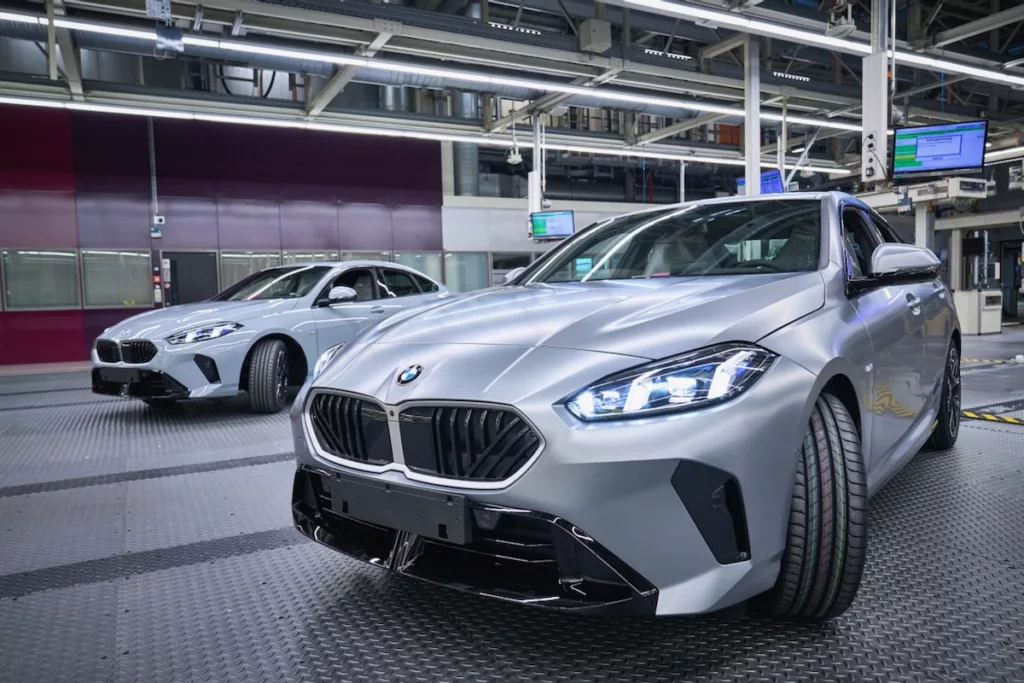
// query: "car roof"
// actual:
[[354, 262]]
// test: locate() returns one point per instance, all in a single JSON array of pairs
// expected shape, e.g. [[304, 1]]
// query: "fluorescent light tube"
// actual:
[[20, 18], [749, 25], [103, 28], [804, 121], [131, 111], [26, 102]]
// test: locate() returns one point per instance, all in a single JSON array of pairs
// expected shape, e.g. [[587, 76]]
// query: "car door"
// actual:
[[895, 328], [339, 322], [936, 319]]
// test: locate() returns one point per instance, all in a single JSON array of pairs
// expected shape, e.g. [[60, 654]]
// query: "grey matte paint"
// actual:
[[530, 346], [314, 328]]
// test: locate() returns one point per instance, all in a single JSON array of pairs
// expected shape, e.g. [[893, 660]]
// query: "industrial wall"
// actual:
[[76, 253]]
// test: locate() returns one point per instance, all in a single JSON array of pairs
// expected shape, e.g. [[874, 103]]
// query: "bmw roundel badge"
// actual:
[[410, 374]]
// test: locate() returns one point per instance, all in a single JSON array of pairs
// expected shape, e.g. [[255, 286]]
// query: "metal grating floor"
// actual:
[[138, 545]]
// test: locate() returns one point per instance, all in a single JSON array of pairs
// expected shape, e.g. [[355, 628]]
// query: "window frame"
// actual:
[[79, 283], [105, 307], [381, 270], [874, 235]]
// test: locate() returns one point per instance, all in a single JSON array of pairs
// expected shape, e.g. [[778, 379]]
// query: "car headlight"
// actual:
[[325, 358], [693, 380], [203, 333]]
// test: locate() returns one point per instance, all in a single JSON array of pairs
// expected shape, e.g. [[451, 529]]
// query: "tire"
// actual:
[[159, 402], [826, 542], [268, 376], [948, 424]]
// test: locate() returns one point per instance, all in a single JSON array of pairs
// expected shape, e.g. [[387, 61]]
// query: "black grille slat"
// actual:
[[342, 427], [466, 442], [137, 352], [108, 351]]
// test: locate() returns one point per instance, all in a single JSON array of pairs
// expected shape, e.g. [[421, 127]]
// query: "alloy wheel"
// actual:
[[953, 391], [282, 378]]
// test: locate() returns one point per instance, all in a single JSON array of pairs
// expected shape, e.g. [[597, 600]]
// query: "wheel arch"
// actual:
[[298, 364]]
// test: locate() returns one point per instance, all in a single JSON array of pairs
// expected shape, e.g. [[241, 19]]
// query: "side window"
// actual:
[[860, 239], [888, 233], [426, 286], [395, 283], [358, 279]]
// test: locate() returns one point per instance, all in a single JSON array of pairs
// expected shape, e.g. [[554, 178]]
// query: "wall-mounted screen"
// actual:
[[552, 225], [771, 183], [943, 150]]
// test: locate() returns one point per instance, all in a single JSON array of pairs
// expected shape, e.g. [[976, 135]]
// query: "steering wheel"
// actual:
[[759, 263]]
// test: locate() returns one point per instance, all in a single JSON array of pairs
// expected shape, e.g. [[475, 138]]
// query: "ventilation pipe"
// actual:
[[466, 105], [394, 98], [466, 155]]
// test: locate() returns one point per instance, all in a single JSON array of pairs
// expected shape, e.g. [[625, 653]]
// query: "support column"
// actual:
[[875, 96], [467, 154], [956, 260], [752, 124], [682, 181], [924, 226]]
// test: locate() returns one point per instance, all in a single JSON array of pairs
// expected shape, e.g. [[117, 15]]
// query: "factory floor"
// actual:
[[157, 545]]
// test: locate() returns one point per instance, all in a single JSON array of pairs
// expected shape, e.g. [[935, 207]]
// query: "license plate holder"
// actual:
[[120, 375], [434, 515]]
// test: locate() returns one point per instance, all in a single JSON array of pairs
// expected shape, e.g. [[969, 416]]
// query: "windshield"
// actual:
[[275, 283], [734, 238]]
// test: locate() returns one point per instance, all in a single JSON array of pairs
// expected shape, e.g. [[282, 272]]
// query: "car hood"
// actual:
[[647, 318], [162, 322]]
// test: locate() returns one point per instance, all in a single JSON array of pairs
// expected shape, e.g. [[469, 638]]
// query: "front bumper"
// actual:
[[201, 370], [516, 555], [694, 505]]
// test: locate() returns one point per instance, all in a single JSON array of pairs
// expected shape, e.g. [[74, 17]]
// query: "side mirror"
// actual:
[[895, 263], [903, 260], [512, 274], [339, 295]]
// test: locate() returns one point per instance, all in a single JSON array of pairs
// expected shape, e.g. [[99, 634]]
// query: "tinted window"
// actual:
[[396, 283], [425, 284], [276, 283], [733, 238], [359, 279]]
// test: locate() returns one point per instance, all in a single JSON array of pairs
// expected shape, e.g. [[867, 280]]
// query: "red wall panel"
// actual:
[[41, 337], [36, 149]]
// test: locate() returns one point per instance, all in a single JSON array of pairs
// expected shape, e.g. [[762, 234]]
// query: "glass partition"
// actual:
[[40, 279], [115, 278]]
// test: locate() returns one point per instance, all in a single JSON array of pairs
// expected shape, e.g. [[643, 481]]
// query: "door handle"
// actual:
[[913, 301], [377, 310]]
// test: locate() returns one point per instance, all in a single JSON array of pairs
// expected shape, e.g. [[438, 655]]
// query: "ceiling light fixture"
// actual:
[[104, 28], [792, 77], [442, 72], [20, 18], [748, 24], [484, 140]]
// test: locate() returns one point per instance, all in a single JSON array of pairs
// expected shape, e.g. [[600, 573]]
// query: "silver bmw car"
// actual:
[[260, 336], [675, 411]]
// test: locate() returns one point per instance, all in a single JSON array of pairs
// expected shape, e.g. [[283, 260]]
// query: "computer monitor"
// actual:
[[947, 149], [771, 183], [552, 225]]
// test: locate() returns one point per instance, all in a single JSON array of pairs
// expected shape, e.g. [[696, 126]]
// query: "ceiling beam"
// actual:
[[728, 45], [343, 76], [679, 127], [973, 28], [548, 101], [68, 50]]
